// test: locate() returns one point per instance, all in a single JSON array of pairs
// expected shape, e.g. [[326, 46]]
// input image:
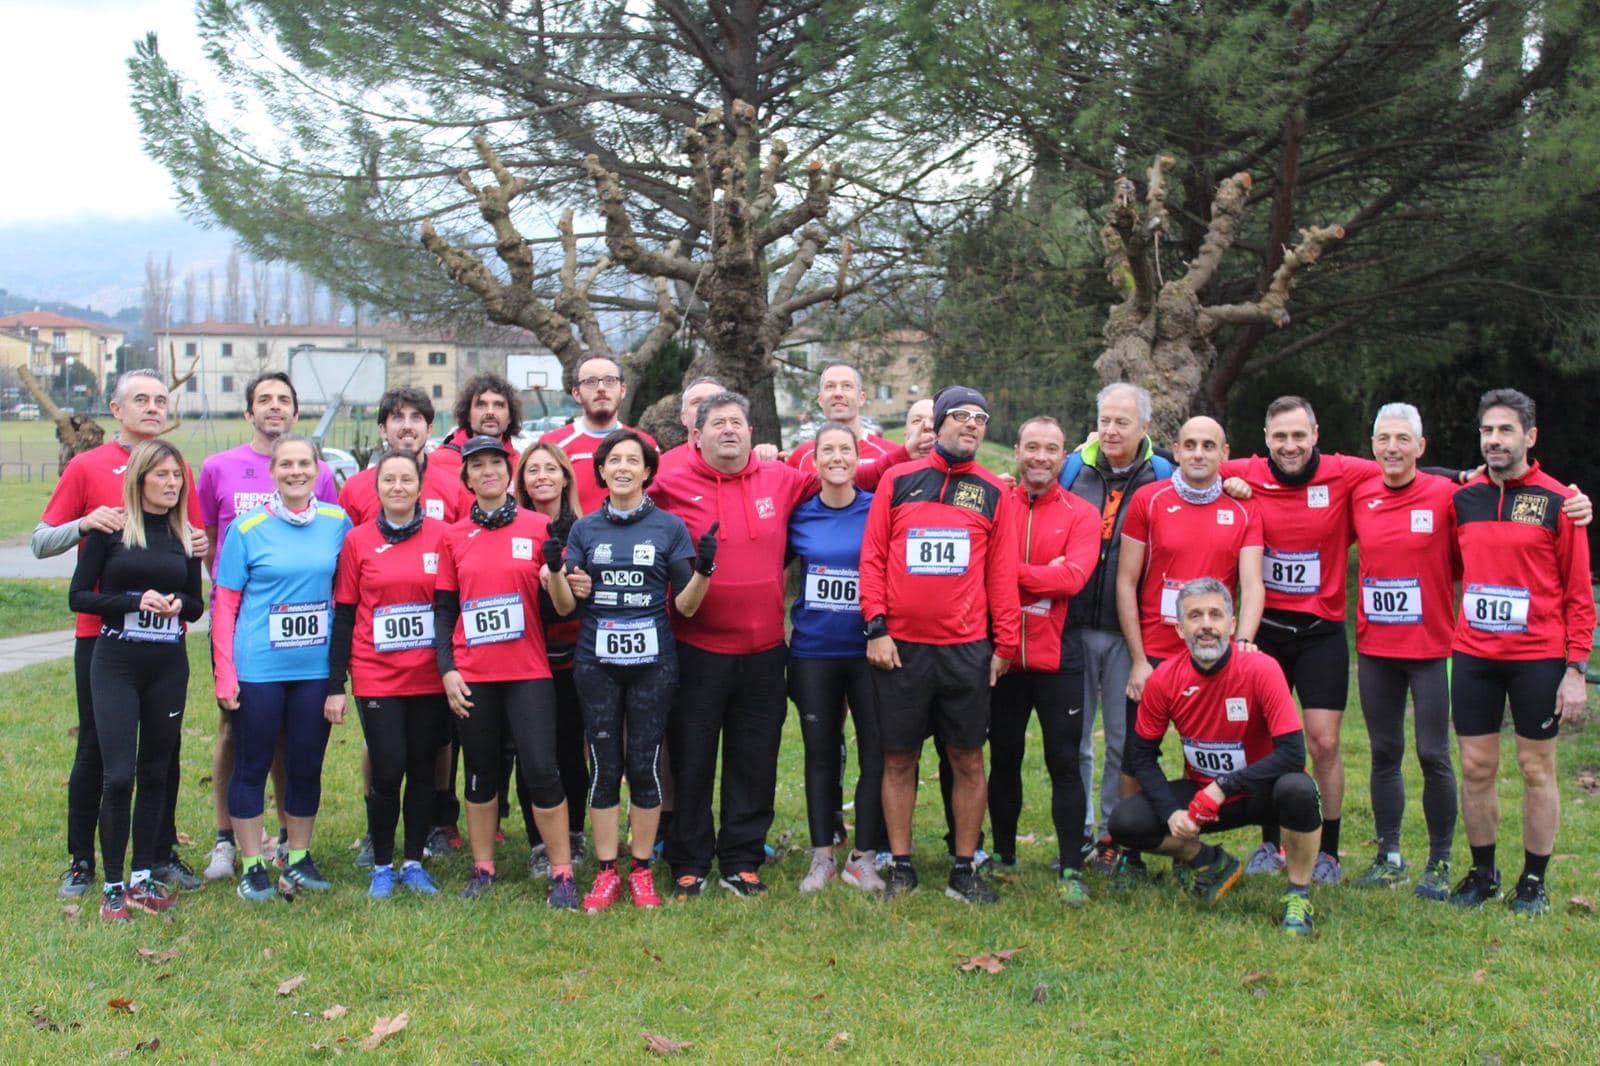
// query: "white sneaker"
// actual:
[[823, 869], [861, 872], [220, 866]]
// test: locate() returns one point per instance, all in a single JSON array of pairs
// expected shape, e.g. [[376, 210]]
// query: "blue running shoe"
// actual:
[[382, 885], [415, 879]]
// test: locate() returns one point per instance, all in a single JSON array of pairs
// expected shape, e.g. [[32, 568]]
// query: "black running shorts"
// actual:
[[939, 688], [1480, 689], [1314, 654]]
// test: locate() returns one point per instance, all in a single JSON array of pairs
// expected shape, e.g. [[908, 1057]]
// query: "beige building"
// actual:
[[18, 348], [90, 344]]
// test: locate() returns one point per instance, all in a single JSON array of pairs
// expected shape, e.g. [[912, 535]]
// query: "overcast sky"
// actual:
[[73, 139]]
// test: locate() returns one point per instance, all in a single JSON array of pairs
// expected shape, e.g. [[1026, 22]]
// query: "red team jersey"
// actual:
[[391, 651], [1226, 719], [579, 444], [1306, 529], [94, 479], [1055, 524], [496, 572], [1182, 542], [444, 499], [1408, 568]]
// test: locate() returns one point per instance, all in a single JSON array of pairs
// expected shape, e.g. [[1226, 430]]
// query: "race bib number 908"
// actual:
[[298, 625], [938, 551]]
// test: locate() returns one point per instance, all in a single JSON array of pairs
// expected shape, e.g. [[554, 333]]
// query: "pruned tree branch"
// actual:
[[1227, 212], [621, 239], [1273, 307]]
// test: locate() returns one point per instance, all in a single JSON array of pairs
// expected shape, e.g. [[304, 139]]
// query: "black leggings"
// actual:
[[1058, 697], [86, 782], [526, 711], [139, 692], [1292, 802], [571, 756], [403, 737], [1383, 684], [820, 689], [635, 700]]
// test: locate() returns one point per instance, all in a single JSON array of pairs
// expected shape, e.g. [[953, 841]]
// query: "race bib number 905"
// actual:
[[938, 551], [492, 619], [402, 627], [833, 588], [298, 625]]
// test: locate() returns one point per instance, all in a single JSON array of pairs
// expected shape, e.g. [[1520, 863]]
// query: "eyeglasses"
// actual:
[[610, 381], [963, 417]]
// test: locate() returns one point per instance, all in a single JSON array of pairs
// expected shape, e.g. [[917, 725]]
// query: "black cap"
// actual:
[[474, 445], [952, 396]]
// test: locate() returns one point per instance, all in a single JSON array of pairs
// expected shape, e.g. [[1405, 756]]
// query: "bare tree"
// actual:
[[211, 295], [260, 292], [190, 284], [286, 295], [308, 297], [1160, 336], [233, 290]]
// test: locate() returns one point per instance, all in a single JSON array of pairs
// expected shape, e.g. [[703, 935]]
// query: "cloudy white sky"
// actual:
[[64, 81]]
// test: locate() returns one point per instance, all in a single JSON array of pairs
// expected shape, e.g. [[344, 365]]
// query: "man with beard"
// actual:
[[404, 417], [487, 407], [599, 390]]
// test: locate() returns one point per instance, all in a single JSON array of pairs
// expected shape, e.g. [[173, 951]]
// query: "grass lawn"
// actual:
[[1147, 977], [33, 606]]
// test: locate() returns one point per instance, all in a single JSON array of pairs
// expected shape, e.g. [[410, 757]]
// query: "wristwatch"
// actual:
[[1580, 665], [875, 628]]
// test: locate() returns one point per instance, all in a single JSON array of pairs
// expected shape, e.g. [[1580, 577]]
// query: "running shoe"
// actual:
[[76, 882], [1476, 889], [745, 883], [413, 878], [1328, 870], [364, 857], [382, 884], [642, 889], [604, 892], [1384, 874], [219, 867], [539, 863], [1267, 859], [967, 885], [1128, 874], [1002, 864], [580, 848], [175, 872], [563, 893], [114, 905], [981, 859], [1435, 880], [151, 896], [860, 871], [1530, 897], [687, 887], [442, 840], [1071, 890], [824, 868], [256, 884], [1297, 914], [1211, 882], [1105, 855], [302, 874], [480, 882], [901, 880]]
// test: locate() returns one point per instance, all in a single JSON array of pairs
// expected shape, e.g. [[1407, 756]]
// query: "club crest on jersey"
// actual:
[[1422, 521], [1529, 510], [522, 547], [1316, 495], [969, 496], [1238, 710], [430, 562], [1224, 518], [601, 553], [644, 555], [433, 508], [765, 508]]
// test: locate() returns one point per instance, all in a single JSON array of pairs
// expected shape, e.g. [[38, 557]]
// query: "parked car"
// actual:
[[808, 430], [25, 412], [342, 463]]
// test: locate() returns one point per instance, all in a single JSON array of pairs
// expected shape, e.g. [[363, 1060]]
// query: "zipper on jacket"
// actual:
[[1027, 559]]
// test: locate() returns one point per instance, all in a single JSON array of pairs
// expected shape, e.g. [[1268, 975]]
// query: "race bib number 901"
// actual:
[[1392, 601], [402, 627], [298, 625], [834, 588], [938, 551], [1495, 608], [151, 628], [1292, 573], [492, 619]]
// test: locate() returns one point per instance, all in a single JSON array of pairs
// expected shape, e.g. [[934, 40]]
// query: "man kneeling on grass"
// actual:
[[1244, 759]]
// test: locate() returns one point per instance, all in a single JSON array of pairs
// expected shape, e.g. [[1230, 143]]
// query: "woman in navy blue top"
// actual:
[[828, 665]]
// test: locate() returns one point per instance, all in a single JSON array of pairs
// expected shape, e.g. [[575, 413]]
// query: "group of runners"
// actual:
[[592, 611]]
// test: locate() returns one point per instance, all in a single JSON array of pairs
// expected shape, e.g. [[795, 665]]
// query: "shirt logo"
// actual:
[[522, 547], [119, 469], [644, 555], [1175, 507], [1271, 485], [1373, 504], [1529, 510], [433, 508], [380, 549], [765, 508], [1238, 710], [969, 496], [1224, 518], [430, 562], [1422, 521], [1316, 495], [1190, 691], [696, 499], [601, 554]]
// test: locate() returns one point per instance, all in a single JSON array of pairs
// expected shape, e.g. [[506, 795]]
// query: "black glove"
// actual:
[[552, 553], [705, 556]]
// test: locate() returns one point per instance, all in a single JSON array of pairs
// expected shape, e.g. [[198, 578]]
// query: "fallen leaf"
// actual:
[[652, 954], [1583, 903], [1495, 944], [1258, 991], [819, 995], [11, 760], [1589, 779], [1256, 976], [71, 912], [1028, 838], [1479, 976], [41, 1021], [157, 958], [657, 1044], [153, 1044], [266, 953], [204, 781], [165, 975], [123, 1004], [185, 839], [291, 984], [784, 838], [838, 1041], [1041, 993], [335, 1011], [1373, 1062], [833, 960], [337, 1051], [72, 731], [992, 963], [384, 1028]]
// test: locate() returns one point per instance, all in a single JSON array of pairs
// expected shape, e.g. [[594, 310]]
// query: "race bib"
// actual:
[[1392, 601], [937, 551], [492, 619], [1169, 600], [151, 628], [832, 588], [297, 625], [1039, 608], [627, 643], [1495, 608], [1292, 573], [1213, 758], [402, 627]]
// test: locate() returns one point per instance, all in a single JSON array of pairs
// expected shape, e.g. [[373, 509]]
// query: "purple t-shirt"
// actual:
[[237, 481]]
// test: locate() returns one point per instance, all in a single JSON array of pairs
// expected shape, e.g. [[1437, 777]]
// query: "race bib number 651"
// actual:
[[492, 619]]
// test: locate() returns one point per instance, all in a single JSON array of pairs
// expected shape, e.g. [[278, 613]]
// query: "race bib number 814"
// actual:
[[938, 551]]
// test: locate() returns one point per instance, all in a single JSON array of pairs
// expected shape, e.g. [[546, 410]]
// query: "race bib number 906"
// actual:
[[1495, 608], [492, 619], [938, 551], [833, 588], [1292, 573], [298, 625]]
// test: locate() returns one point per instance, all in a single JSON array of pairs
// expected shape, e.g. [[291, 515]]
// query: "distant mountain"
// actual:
[[97, 265]]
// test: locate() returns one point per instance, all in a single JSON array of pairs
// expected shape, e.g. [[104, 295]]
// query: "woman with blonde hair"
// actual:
[[144, 583]]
